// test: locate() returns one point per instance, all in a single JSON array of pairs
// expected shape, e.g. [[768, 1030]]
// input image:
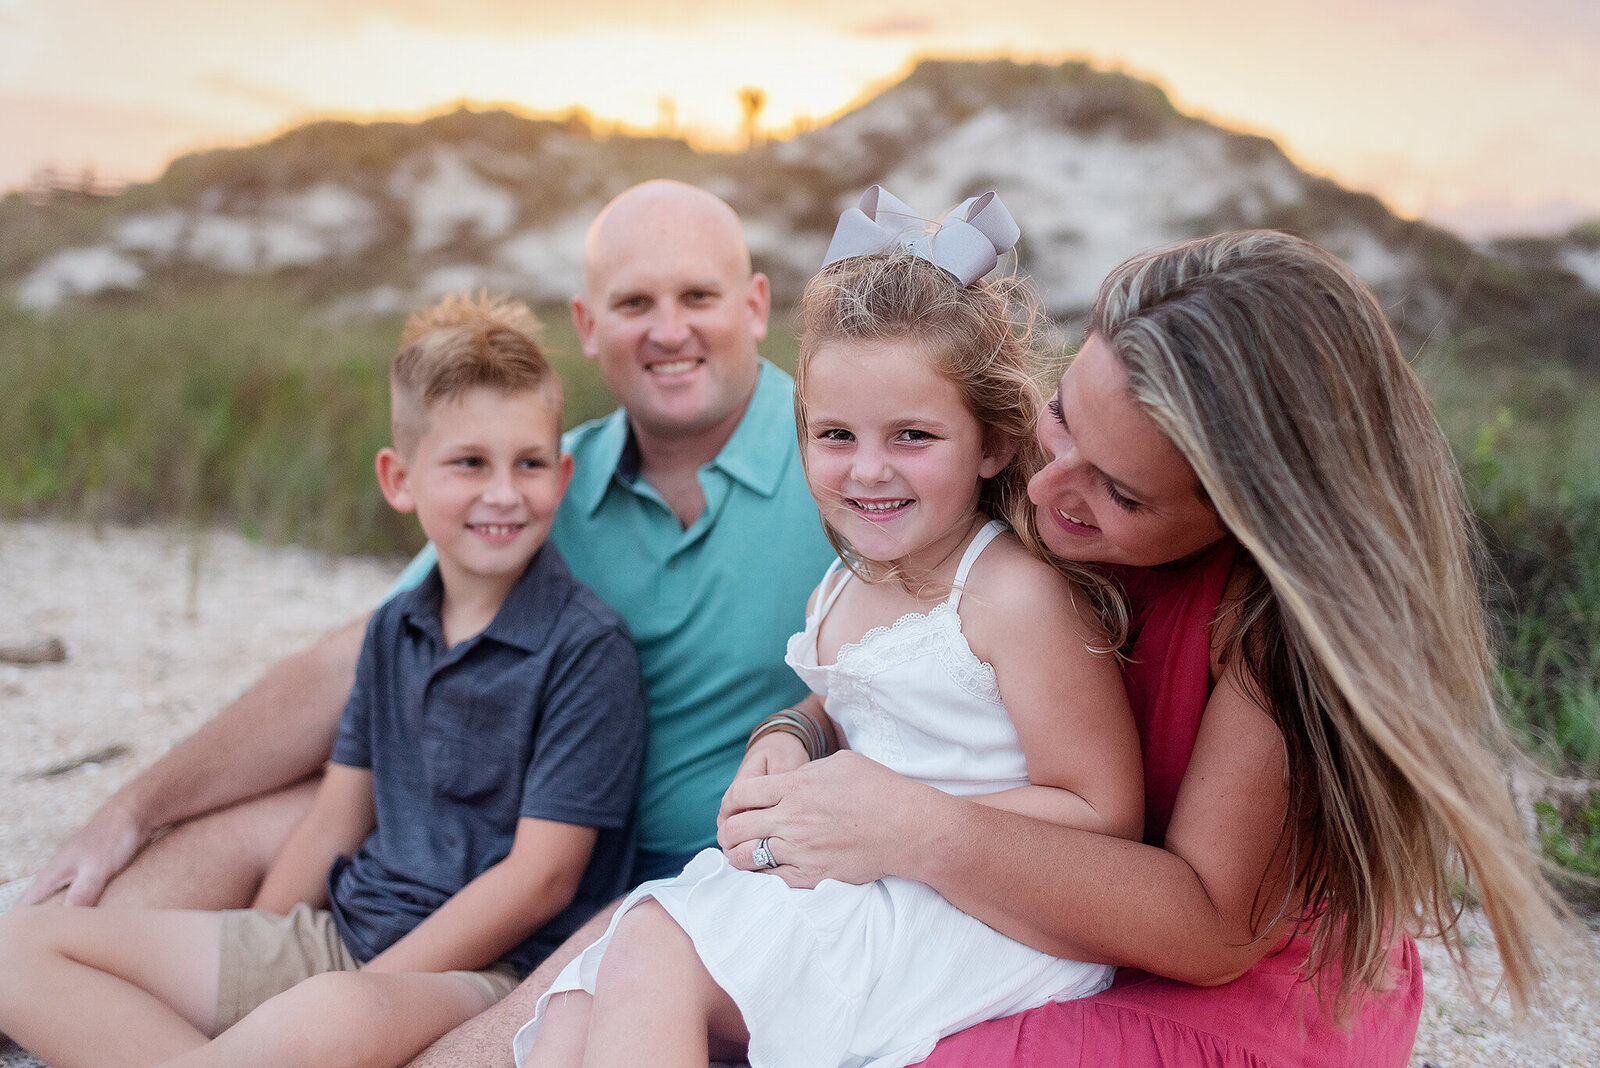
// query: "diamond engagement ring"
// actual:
[[761, 857]]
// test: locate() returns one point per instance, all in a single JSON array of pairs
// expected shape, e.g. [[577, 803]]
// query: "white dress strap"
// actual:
[[825, 595], [980, 541]]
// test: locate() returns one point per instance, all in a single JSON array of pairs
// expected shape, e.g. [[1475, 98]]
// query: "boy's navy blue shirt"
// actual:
[[541, 715]]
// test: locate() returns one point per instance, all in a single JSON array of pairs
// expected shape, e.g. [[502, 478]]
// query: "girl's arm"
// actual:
[[340, 819], [501, 907], [1068, 704], [781, 751], [1186, 911]]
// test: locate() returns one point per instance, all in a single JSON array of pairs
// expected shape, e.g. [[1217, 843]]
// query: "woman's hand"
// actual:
[[843, 817]]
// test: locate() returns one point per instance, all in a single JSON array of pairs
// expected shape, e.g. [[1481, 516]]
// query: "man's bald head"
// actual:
[[657, 214], [672, 313]]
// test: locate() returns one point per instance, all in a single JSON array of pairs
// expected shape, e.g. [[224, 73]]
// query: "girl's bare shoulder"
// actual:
[[1009, 586]]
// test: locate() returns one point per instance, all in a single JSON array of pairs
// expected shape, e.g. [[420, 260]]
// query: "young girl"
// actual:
[[943, 649]]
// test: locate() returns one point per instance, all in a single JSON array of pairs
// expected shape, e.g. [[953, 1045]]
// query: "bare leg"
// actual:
[[654, 1000], [343, 1020], [212, 862], [485, 1040], [109, 988], [564, 1031]]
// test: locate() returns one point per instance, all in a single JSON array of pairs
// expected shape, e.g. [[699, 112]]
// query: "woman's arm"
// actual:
[[1185, 911]]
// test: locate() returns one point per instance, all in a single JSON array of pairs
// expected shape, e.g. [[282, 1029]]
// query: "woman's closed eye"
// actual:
[[1118, 498], [1054, 408]]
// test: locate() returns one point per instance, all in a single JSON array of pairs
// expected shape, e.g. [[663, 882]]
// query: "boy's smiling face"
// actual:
[[485, 478]]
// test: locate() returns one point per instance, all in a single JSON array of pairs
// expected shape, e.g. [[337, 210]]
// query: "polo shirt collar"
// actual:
[[764, 441], [756, 455], [593, 477], [525, 616]]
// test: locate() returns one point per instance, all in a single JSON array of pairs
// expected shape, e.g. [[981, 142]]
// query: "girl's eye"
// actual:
[[833, 434], [912, 434], [1121, 500], [1054, 408], [469, 461]]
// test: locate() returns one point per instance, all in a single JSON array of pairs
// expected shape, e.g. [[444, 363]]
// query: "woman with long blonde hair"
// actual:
[[1242, 448]]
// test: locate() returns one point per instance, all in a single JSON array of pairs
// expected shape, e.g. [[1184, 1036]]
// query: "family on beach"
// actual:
[[1140, 718]]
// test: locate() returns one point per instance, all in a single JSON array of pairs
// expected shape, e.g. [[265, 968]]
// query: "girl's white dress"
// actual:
[[867, 975]]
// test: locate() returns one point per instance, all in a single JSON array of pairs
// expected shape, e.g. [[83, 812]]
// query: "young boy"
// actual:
[[479, 804]]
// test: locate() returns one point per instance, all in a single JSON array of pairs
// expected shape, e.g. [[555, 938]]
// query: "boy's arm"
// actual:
[[501, 907], [340, 819]]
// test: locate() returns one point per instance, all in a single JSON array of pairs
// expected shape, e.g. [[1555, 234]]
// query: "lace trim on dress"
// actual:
[[913, 635]]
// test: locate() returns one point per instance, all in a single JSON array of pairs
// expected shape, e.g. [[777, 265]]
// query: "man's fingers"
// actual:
[[85, 890], [44, 884]]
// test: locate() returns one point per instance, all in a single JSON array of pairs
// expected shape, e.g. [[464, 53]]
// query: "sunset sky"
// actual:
[[1481, 114]]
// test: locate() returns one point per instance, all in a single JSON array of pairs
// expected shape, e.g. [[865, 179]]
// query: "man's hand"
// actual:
[[86, 862]]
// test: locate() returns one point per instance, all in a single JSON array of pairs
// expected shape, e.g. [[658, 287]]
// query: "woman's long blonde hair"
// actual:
[[1272, 368]]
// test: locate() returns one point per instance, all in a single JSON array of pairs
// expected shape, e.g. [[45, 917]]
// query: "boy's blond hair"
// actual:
[[461, 343]]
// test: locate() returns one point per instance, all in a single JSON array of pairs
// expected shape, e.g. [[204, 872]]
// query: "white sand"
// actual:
[[164, 626]]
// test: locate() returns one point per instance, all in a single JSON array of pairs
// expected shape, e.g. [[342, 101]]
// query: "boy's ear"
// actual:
[[392, 480], [564, 467]]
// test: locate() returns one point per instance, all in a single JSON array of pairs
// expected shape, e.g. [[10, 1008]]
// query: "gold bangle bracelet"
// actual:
[[794, 722]]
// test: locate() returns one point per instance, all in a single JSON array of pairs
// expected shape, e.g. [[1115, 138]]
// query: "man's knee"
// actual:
[[215, 861]]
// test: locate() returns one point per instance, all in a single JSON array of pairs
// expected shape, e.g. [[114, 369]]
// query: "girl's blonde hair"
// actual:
[[1272, 368], [981, 337]]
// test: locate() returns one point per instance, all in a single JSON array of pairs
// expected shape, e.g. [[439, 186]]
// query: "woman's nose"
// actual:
[[1054, 477]]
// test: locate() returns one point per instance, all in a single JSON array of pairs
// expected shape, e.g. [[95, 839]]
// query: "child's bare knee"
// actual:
[[645, 948], [313, 1021]]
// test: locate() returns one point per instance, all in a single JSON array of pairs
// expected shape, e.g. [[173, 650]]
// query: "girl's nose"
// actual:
[[870, 466]]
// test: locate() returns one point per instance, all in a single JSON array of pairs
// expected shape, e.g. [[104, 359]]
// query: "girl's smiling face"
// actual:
[[893, 456], [1115, 489]]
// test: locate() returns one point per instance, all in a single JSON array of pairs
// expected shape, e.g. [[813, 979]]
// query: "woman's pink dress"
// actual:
[[1266, 1017]]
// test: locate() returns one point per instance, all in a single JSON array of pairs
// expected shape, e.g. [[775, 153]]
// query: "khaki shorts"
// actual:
[[263, 954]]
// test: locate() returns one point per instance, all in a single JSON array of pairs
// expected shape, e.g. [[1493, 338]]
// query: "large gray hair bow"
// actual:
[[967, 242]]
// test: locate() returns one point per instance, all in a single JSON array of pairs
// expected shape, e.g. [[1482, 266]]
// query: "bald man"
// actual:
[[688, 513]]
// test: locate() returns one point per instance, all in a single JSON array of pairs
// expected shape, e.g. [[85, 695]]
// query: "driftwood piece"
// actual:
[[48, 650], [105, 755]]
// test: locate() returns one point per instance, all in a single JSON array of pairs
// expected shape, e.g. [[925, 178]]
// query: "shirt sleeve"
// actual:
[[352, 746], [589, 748]]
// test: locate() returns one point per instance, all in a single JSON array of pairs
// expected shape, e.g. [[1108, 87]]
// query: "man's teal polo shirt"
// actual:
[[710, 608]]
